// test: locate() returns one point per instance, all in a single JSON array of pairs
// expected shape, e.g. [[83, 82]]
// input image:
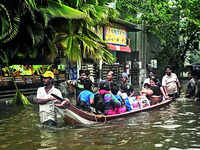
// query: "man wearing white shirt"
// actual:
[[47, 101], [170, 83]]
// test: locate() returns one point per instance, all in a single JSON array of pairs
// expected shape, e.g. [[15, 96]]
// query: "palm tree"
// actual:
[[77, 38], [24, 30], [38, 29]]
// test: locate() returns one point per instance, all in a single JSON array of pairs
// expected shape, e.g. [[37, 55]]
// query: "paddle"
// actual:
[[57, 97]]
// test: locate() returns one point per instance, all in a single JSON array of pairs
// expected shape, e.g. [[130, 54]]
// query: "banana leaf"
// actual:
[[20, 99]]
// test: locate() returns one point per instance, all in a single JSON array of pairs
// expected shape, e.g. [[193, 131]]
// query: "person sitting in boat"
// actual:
[[47, 101], [100, 90], [130, 102], [86, 97], [158, 93], [146, 90], [147, 80], [112, 102], [128, 87], [118, 108], [79, 83], [107, 84]]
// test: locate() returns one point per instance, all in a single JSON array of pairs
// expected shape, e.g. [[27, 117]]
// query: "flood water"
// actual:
[[175, 127]]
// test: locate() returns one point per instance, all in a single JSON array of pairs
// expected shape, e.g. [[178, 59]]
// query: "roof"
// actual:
[[131, 27]]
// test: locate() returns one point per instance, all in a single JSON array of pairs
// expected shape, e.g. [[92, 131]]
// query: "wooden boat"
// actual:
[[72, 115]]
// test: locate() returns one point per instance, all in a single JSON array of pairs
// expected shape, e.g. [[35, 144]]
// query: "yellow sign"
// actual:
[[115, 36]]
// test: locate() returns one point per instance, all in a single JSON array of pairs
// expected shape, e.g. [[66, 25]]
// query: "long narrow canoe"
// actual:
[[72, 115]]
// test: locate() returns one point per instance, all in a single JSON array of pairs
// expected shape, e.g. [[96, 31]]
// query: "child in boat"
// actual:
[[146, 90], [145, 95], [86, 97]]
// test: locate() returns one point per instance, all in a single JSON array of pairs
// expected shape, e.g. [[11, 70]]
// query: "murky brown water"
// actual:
[[176, 127]]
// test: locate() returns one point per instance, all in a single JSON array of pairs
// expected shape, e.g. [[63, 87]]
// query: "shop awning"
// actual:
[[119, 48]]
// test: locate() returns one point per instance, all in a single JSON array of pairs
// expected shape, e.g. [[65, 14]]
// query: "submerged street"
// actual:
[[174, 127]]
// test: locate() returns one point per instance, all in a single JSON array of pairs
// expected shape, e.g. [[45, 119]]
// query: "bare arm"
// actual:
[[43, 101], [163, 92], [91, 101]]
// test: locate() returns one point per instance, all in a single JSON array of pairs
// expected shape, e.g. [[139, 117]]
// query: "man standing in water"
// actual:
[[47, 101], [191, 86], [170, 83]]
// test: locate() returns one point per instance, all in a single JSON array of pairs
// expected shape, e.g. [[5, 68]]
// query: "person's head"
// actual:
[[168, 70], [190, 75], [153, 82], [146, 85], [48, 78], [82, 75], [124, 77], [110, 75]]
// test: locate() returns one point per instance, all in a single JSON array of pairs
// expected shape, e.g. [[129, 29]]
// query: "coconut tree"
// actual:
[[43, 29], [25, 33], [76, 38], [24, 28]]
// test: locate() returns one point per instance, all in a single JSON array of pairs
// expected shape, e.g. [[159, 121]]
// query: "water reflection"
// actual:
[[175, 127]]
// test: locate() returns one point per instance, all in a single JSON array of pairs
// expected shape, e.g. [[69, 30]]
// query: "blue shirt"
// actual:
[[85, 96]]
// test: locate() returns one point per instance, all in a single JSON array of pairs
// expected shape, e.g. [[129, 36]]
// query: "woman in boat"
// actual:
[[158, 93], [86, 97], [147, 80]]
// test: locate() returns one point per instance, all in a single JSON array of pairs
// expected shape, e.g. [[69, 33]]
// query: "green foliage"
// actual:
[[55, 9], [20, 99], [36, 26], [175, 23]]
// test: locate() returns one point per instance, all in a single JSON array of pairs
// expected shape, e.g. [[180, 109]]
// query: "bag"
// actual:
[[131, 104], [144, 102]]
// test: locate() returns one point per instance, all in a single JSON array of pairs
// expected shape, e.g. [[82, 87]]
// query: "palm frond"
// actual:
[[54, 9]]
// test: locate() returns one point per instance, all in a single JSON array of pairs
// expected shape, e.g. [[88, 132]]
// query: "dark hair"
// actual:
[[168, 66], [146, 84], [105, 85], [154, 80], [81, 72]]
